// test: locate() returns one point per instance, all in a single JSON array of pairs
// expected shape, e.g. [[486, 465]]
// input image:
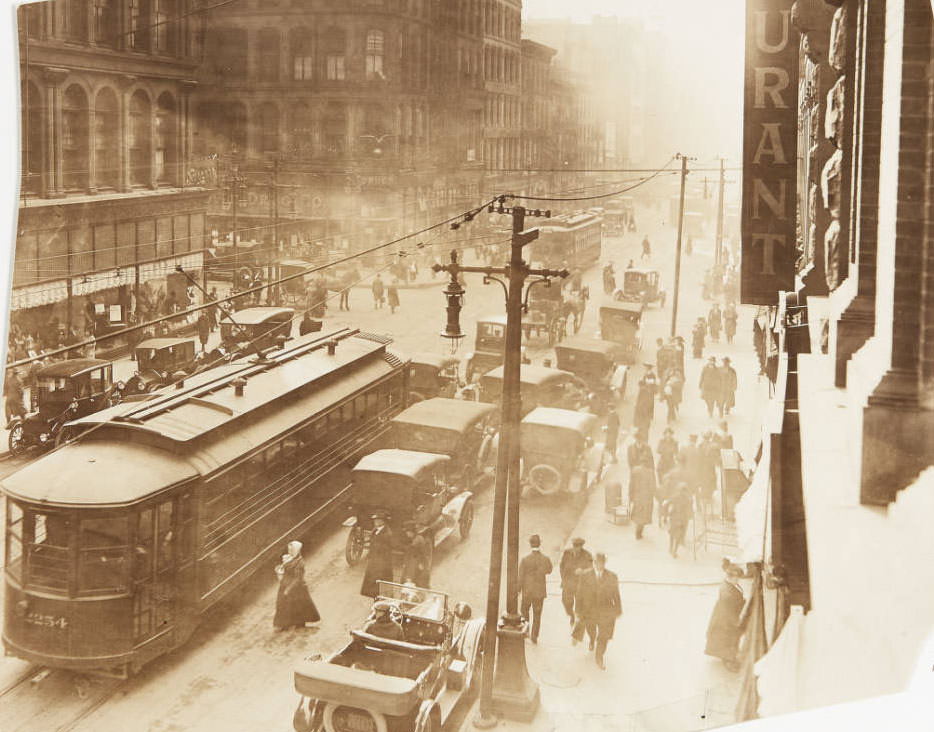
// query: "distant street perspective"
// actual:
[[415, 366]]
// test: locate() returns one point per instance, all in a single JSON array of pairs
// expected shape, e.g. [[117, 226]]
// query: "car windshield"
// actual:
[[492, 330], [415, 601], [634, 279]]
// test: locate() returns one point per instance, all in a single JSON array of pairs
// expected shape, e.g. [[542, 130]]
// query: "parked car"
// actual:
[[383, 684], [641, 285], [488, 348], [256, 328], [65, 390], [557, 451], [160, 361], [409, 486], [294, 290], [620, 322], [540, 387], [598, 364], [462, 430], [432, 375]]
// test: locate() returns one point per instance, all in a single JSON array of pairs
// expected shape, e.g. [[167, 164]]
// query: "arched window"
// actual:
[[75, 141], [33, 119], [268, 45], [335, 48], [106, 130], [374, 55], [140, 140], [300, 129], [335, 129], [269, 128], [302, 58], [166, 140], [77, 20], [106, 23]]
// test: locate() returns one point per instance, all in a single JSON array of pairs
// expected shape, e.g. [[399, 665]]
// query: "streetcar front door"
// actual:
[[154, 571]]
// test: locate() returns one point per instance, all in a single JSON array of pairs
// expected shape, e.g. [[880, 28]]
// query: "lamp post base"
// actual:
[[515, 694]]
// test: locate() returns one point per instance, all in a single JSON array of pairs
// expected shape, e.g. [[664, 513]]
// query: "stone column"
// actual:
[[125, 83], [184, 125], [52, 183]]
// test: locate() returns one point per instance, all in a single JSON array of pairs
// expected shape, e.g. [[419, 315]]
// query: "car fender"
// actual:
[[350, 522], [423, 718], [452, 509]]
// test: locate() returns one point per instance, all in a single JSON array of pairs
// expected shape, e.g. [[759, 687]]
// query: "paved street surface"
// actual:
[[235, 673]]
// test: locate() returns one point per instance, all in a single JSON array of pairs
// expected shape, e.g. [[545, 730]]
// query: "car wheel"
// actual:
[[355, 546], [150, 388], [545, 479], [17, 441], [466, 520]]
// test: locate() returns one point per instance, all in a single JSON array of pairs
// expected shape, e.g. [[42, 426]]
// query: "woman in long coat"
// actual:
[[379, 561], [723, 632], [294, 606], [642, 496]]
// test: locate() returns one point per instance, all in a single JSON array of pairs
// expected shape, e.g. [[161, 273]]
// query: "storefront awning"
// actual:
[[777, 670], [44, 293], [753, 514]]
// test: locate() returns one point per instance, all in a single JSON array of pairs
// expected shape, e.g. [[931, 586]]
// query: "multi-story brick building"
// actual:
[[104, 207]]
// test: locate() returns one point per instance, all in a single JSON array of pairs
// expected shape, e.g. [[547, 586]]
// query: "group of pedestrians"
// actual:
[[718, 386], [717, 320], [385, 294]]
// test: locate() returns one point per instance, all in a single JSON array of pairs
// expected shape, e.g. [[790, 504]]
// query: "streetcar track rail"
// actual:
[[19, 682]]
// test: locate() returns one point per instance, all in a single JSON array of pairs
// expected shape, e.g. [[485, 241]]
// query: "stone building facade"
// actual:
[[104, 209]]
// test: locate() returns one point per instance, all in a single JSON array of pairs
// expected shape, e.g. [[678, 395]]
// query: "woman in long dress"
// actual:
[[294, 606], [723, 632]]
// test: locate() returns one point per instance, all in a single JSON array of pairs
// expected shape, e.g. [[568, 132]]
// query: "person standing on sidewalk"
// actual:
[[575, 560], [680, 510], [691, 458], [698, 334], [639, 452], [392, 297], [667, 453], [204, 330], [641, 496], [600, 605], [715, 322], [644, 411], [723, 632], [612, 435], [672, 393], [728, 384], [533, 569], [13, 395], [646, 249], [378, 291], [710, 386], [730, 316]]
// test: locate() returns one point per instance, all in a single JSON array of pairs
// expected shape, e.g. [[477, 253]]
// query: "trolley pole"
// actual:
[[506, 687], [674, 304]]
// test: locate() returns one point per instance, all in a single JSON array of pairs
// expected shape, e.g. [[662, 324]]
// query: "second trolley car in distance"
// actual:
[[118, 542], [574, 240]]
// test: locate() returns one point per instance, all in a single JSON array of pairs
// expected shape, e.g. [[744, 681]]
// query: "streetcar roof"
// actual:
[[408, 463], [257, 315], [158, 343], [497, 319], [70, 367], [448, 414], [570, 419], [630, 307], [639, 270], [529, 374], [208, 400], [96, 473]]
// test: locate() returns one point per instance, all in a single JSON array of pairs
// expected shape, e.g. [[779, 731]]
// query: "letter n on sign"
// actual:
[[770, 139]]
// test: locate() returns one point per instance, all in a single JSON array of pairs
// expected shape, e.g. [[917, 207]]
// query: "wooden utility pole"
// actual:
[[674, 305]]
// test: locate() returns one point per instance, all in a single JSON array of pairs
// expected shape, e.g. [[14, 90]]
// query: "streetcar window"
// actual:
[[290, 446], [166, 534], [47, 537], [334, 422], [395, 390], [347, 412], [372, 403], [102, 554], [359, 406], [142, 551], [383, 396], [14, 540]]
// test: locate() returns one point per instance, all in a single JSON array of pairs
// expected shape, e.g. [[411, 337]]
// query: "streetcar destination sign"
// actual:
[[770, 128]]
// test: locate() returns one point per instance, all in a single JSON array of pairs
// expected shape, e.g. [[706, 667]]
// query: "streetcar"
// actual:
[[119, 542], [569, 240]]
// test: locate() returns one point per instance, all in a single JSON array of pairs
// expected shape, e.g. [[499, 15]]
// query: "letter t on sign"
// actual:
[[766, 243]]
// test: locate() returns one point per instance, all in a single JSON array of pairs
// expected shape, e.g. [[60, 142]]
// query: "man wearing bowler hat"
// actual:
[[533, 569], [574, 561], [379, 563]]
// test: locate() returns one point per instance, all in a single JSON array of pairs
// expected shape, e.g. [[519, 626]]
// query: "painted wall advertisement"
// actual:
[[769, 152]]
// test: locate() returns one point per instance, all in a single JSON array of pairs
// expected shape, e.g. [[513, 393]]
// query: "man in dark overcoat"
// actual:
[[574, 561], [644, 411], [641, 496], [723, 632], [710, 385], [533, 569], [600, 605], [379, 562]]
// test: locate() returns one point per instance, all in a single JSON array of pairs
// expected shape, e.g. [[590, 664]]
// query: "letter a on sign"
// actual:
[[770, 152]]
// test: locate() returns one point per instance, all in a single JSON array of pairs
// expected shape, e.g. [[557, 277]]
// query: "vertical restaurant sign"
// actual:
[[770, 141]]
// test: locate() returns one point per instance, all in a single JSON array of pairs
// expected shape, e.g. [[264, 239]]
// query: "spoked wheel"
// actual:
[[545, 479], [466, 520], [17, 441], [355, 546]]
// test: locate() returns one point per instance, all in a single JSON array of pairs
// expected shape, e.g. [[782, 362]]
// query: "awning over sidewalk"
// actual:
[[753, 517], [777, 670]]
